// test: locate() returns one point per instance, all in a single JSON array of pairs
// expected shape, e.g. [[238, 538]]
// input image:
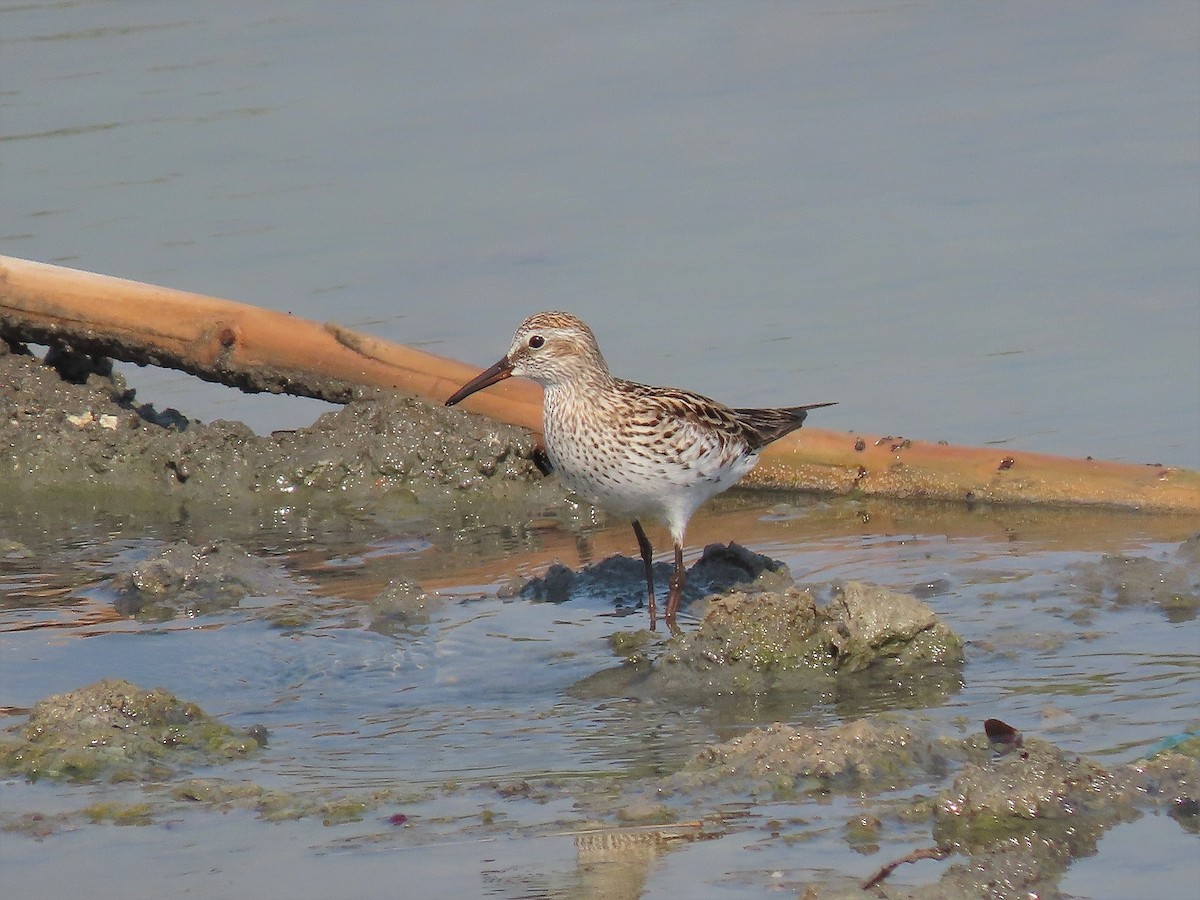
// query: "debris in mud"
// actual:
[[189, 580], [115, 731]]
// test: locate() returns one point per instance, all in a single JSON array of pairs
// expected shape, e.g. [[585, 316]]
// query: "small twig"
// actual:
[[923, 853]]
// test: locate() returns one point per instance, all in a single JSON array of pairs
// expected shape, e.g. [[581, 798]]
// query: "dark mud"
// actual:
[[719, 569]]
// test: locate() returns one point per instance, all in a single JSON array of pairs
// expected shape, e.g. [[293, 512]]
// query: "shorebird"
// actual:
[[634, 450]]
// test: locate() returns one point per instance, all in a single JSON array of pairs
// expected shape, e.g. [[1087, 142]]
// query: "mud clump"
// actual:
[[11, 550], [869, 624], [869, 646], [1013, 820], [1171, 583], [114, 731], [773, 637], [189, 580], [87, 432], [1061, 795], [400, 608], [1021, 819], [785, 761], [1060, 792]]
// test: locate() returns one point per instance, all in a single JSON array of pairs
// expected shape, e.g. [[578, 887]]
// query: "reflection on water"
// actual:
[[464, 725]]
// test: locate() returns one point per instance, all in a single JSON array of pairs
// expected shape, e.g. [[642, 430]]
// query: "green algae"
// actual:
[[114, 731], [867, 643], [274, 805], [120, 813]]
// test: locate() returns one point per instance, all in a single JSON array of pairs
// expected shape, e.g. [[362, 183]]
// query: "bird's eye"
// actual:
[[536, 342]]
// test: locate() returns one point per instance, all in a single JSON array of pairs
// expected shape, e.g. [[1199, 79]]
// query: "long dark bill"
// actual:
[[486, 378]]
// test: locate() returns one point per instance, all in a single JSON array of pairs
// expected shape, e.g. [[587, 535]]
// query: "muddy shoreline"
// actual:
[[71, 424], [241, 526]]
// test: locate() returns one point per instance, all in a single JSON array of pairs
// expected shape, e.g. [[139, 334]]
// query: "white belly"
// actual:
[[640, 479]]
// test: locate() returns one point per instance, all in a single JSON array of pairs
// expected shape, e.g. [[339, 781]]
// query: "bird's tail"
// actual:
[[766, 425]]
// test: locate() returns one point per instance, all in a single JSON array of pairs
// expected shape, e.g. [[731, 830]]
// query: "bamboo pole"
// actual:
[[231, 343], [896, 467], [262, 350]]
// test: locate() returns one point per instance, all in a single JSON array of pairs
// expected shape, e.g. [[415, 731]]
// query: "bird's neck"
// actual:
[[589, 383]]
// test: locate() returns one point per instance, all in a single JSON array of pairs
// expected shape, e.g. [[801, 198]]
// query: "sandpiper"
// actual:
[[634, 450]]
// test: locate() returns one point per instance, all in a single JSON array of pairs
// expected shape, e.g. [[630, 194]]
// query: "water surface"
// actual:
[[469, 718], [974, 223]]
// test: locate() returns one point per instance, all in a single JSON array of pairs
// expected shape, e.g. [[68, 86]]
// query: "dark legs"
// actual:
[[678, 578], [675, 595], [648, 559]]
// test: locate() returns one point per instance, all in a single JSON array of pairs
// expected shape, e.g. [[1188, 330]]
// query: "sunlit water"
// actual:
[[442, 712]]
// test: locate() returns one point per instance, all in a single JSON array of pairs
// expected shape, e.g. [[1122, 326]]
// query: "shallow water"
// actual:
[[976, 223], [469, 722]]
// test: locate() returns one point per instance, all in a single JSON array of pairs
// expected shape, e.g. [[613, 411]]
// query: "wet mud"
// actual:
[[114, 515], [191, 581], [760, 635], [1172, 585], [69, 425], [115, 731]]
